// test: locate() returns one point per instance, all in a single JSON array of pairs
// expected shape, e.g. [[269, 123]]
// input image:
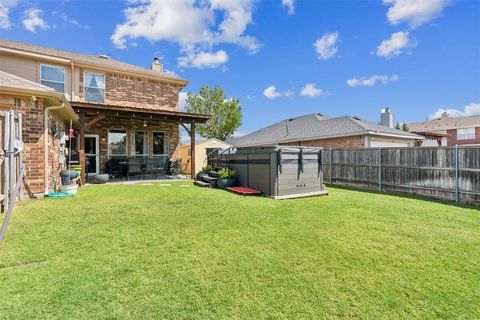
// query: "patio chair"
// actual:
[[116, 167], [134, 167]]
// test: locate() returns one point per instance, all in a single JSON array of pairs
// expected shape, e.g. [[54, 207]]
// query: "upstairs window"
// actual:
[[466, 134], [94, 87], [53, 77]]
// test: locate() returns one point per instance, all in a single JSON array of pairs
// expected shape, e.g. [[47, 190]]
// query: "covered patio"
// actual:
[[126, 141]]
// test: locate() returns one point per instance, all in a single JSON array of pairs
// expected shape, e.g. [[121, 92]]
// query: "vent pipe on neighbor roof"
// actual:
[[386, 118], [157, 65]]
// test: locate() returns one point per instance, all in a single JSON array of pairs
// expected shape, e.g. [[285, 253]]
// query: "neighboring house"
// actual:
[[454, 131], [320, 131], [202, 148], [121, 110]]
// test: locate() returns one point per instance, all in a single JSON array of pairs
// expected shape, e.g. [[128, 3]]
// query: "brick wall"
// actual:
[[102, 127], [136, 92], [33, 141], [452, 138], [352, 142]]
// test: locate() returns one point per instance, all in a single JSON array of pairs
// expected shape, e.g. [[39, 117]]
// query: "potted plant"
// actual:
[[226, 178], [204, 171]]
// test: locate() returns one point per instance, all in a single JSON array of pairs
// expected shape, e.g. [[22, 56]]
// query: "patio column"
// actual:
[[81, 145], [192, 150]]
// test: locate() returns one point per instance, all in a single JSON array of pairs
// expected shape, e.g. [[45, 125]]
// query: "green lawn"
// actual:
[[176, 252]]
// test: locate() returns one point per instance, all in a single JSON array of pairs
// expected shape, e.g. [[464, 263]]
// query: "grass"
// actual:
[[157, 252]]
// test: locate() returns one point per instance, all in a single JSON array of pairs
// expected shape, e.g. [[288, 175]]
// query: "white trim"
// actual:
[[108, 144], [85, 85], [132, 144], [54, 81], [97, 150]]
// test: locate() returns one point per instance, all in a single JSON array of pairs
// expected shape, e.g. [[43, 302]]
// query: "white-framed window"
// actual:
[[53, 77], [159, 144], [117, 143], [94, 88], [140, 143], [466, 134]]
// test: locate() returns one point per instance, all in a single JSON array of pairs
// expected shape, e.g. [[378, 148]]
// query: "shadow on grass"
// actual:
[[406, 195]]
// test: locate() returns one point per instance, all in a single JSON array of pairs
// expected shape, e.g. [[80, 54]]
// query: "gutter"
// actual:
[[45, 143]]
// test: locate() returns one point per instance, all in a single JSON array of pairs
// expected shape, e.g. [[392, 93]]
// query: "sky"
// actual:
[[282, 58]]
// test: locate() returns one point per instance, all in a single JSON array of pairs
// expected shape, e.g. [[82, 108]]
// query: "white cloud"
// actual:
[[272, 93], [182, 100], [473, 109], [5, 7], [71, 21], [326, 46], [170, 72], [290, 5], [311, 90], [32, 20], [196, 26], [369, 82], [394, 46], [414, 12], [203, 59]]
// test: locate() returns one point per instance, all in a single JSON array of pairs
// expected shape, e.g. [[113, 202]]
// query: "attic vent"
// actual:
[[320, 115], [291, 119], [105, 56], [357, 118]]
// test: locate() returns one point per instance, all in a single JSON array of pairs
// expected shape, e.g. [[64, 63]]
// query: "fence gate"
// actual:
[[11, 164]]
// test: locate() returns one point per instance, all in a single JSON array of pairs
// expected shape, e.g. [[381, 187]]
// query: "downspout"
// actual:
[[72, 81], [45, 140]]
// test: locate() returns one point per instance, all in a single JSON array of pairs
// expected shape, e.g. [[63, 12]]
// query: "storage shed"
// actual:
[[279, 172]]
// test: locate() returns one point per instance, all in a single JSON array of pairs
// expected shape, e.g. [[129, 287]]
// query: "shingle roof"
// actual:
[[87, 59], [445, 123], [316, 126], [11, 81]]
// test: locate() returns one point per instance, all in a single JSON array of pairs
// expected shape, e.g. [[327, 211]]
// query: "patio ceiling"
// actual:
[[118, 111], [101, 111]]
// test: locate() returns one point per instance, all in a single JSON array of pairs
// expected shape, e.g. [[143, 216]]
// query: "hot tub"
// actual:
[[279, 172]]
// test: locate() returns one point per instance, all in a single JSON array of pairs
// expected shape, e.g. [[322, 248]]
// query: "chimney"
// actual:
[[156, 65], [386, 118]]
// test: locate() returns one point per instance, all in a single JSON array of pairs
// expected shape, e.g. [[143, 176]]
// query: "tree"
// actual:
[[226, 113], [403, 127]]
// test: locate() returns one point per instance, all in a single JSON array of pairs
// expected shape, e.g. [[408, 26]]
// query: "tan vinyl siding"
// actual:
[[25, 68], [29, 68]]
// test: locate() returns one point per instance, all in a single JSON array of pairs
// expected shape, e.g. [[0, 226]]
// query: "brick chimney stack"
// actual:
[[156, 65]]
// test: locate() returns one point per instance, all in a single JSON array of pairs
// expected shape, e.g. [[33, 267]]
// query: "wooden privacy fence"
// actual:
[[11, 164], [451, 173]]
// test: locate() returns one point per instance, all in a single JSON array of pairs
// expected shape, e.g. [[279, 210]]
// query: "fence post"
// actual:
[[11, 157], [457, 173], [330, 164], [20, 154], [379, 160]]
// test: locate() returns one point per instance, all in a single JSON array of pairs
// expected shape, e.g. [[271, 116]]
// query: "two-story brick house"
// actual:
[[456, 131], [119, 109]]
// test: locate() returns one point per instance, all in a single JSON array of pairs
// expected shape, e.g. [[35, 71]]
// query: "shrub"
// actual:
[[206, 169], [226, 173]]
